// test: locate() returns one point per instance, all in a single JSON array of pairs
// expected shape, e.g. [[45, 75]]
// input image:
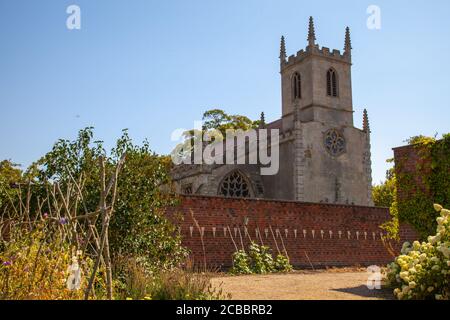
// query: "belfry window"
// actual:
[[297, 86], [332, 83], [187, 189], [235, 185]]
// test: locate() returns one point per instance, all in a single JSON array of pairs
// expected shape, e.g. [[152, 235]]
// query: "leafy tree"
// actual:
[[215, 122], [217, 119], [10, 175], [138, 226], [383, 194]]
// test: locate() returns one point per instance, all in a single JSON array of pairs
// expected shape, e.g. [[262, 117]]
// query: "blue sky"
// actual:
[[154, 66]]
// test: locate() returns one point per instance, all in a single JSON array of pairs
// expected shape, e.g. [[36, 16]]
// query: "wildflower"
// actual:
[[45, 215], [63, 221], [437, 207], [7, 263]]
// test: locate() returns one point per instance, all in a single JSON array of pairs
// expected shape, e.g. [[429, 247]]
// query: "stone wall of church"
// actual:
[[313, 234], [281, 185], [342, 178]]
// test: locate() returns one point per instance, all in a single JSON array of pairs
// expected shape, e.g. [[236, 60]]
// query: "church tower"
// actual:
[[320, 149], [316, 82]]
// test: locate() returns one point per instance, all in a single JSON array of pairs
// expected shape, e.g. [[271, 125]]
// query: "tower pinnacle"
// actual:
[[366, 125], [282, 50], [348, 43], [311, 33], [262, 121]]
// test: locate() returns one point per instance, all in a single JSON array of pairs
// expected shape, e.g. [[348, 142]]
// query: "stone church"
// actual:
[[324, 158]]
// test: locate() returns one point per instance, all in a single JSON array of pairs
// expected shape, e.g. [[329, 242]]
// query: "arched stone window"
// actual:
[[296, 86], [235, 185], [332, 83]]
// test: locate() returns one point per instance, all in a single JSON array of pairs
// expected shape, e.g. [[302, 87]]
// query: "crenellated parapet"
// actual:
[[324, 52], [313, 49]]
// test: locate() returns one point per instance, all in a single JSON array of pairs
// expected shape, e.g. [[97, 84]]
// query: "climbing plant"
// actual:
[[430, 183]]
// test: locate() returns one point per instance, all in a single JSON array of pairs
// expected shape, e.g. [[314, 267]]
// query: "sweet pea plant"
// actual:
[[422, 271]]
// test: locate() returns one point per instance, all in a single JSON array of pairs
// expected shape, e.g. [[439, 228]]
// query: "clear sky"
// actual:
[[154, 66]]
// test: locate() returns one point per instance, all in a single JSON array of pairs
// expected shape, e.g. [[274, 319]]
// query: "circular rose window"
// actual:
[[334, 142]]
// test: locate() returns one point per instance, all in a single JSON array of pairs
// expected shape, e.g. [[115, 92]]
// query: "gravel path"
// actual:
[[302, 285]]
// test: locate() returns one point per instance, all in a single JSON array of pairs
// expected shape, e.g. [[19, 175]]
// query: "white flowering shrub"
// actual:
[[422, 271]]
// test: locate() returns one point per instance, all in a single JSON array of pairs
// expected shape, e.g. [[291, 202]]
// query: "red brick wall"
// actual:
[[359, 243], [411, 163]]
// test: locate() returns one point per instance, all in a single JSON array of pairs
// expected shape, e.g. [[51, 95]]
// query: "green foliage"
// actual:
[[241, 263], [34, 266], [138, 226], [63, 187], [217, 119], [422, 271], [383, 194], [132, 279], [215, 124], [259, 260], [282, 264], [178, 284], [10, 174], [433, 172], [135, 282]]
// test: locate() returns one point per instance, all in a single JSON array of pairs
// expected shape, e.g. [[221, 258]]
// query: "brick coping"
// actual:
[[282, 201]]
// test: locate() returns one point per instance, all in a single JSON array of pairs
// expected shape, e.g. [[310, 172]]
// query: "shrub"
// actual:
[[282, 264], [135, 282], [178, 284], [132, 279], [241, 263], [422, 271], [259, 260], [36, 266]]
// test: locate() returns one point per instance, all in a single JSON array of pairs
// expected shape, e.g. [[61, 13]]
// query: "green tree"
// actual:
[[215, 122], [138, 226], [10, 175], [217, 119], [383, 194]]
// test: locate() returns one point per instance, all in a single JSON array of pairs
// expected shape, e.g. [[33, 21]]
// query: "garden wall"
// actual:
[[313, 234], [409, 161]]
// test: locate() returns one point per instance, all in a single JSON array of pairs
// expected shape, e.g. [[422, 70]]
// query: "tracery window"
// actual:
[[235, 186], [334, 142]]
